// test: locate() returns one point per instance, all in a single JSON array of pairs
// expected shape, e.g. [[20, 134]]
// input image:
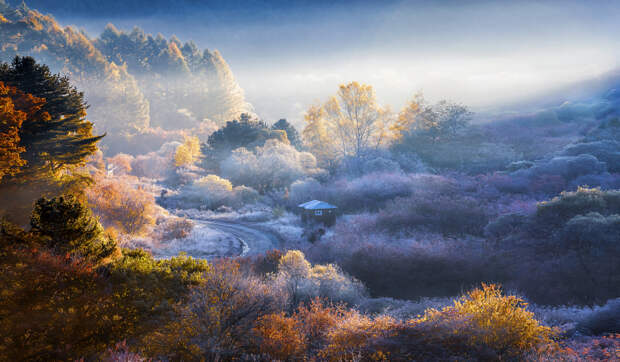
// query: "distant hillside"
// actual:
[[132, 81], [117, 104], [176, 76]]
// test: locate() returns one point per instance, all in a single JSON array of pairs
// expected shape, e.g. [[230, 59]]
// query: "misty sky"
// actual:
[[485, 54]]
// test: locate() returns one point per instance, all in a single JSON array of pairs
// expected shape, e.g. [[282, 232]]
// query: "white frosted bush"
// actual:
[[275, 165], [211, 192], [380, 164], [303, 282]]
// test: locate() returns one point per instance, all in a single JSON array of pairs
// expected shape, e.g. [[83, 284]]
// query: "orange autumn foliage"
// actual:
[[282, 336], [348, 339], [11, 120], [483, 322], [15, 108], [332, 332], [121, 204]]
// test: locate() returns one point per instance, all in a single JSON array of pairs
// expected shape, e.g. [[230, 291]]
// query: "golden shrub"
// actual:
[[498, 321], [282, 337]]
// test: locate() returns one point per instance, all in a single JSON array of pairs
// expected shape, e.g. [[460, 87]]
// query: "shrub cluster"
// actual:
[[483, 324], [211, 192]]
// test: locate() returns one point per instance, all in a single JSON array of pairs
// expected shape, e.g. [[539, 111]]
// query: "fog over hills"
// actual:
[[148, 80], [287, 55]]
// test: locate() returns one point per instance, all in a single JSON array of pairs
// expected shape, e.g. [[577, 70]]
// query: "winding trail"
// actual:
[[211, 239], [252, 239]]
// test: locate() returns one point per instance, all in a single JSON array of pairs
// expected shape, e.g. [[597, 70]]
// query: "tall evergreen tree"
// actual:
[[63, 137], [69, 226]]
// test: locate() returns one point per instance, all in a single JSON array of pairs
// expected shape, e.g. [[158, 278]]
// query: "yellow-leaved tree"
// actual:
[[188, 152], [443, 120], [408, 117], [348, 125], [316, 136]]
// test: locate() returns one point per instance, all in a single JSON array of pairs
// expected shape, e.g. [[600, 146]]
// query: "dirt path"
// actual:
[[253, 240], [211, 239]]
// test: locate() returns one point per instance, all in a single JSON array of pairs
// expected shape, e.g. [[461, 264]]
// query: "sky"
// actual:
[[490, 55]]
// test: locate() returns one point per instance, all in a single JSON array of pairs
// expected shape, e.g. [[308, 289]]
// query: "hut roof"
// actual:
[[316, 205]]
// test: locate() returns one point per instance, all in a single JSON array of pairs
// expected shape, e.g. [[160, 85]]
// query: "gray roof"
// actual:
[[316, 205]]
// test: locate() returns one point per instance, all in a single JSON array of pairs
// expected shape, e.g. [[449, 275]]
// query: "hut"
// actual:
[[319, 211]]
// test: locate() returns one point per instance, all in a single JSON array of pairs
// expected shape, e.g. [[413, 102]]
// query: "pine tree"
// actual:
[[64, 139], [69, 226], [291, 132]]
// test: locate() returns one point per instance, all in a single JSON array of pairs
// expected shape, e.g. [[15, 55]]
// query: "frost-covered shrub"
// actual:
[[436, 184], [174, 228], [240, 166], [594, 239], [569, 167], [303, 282], [519, 165], [369, 191], [570, 204], [606, 151], [409, 273], [553, 175], [509, 183], [422, 265], [399, 308], [563, 276], [505, 225], [472, 151], [120, 164], [152, 165], [211, 192], [592, 231], [609, 129], [216, 318], [214, 187], [245, 195], [272, 166], [448, 214], [489, 156], [547, 184], [409, 163], [602, 320], [605, 181], [306, 189], [156, 164], [380, 164]]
